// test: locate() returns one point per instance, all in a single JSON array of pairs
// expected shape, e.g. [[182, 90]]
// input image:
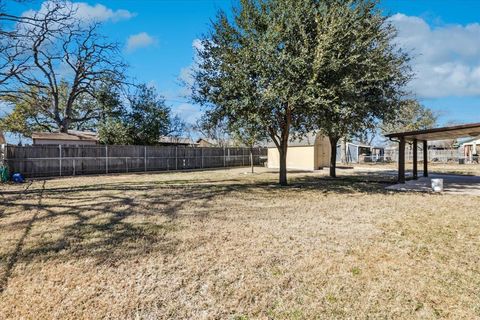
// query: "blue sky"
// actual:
[[444, 37]]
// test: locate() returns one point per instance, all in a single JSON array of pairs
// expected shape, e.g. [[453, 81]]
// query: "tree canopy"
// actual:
[[359, 76], [287, 67], [256, 68], [411, 116], [145, 118]]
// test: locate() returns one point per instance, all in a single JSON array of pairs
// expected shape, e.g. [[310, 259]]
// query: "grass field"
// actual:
[[229, 245]]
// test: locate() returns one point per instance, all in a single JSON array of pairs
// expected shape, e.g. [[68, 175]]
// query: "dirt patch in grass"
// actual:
[[229, 245]]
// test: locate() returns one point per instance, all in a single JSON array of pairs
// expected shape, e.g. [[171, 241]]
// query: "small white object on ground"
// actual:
[[437, 185]]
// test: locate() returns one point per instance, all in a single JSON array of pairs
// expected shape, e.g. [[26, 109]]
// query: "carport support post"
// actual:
[[401, 160], [425, 158], [415, 159]]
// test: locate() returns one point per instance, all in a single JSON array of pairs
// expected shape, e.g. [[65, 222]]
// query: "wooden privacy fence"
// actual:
[[64, 160]]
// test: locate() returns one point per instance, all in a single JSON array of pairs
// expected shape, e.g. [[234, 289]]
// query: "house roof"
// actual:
[[444, 133], [72, 135], [470, 141], [210, 141], [176, 140]]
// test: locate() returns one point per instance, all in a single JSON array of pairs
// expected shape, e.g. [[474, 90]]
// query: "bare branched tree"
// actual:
[[14, 51], [57, 60]]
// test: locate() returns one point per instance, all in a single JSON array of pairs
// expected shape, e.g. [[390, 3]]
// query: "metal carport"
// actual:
[[444, 133]]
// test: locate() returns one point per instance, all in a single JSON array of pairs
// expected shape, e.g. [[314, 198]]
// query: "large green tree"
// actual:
[[359, 74], [148, 117], [144, 119], [256, 66]]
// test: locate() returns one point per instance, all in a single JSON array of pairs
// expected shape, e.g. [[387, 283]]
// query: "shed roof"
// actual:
[[443, 133], [70, 136], [305, 141]]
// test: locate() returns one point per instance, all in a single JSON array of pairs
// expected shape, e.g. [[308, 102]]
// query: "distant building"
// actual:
[[176, 141], [202, 142], [355, 152], [60, 138], [471, 149], [309, 153]]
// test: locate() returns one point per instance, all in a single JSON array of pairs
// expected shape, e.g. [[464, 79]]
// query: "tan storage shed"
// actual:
[[309, 153]]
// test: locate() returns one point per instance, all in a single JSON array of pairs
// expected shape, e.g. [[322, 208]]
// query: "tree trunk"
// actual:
[[283, 164], [251, 159], [333, 156], [63, 127]]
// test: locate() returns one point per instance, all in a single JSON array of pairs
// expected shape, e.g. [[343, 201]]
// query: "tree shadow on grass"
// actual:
[[115, 221], [373, 182]]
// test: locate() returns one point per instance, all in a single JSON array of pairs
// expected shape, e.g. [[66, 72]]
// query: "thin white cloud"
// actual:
[[86, 12], [139, 40], [99, 12], [186, 73], [446, 59], [188, 112]]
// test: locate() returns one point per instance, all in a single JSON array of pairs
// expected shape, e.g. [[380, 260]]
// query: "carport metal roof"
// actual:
[[453, 132]]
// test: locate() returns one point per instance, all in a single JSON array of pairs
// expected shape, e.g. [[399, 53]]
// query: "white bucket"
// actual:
[[437, 185]]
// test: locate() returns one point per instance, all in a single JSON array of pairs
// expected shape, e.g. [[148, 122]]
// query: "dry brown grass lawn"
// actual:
[[225, 245]]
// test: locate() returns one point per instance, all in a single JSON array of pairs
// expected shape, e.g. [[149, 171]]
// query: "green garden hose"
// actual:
[[4, 174]]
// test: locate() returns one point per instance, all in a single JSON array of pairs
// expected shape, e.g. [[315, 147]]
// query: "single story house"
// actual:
[[309, 153], [471, 149], [202, 142], [60, 138]]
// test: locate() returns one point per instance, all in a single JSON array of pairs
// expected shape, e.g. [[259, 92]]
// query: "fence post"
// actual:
[[60, 159], [4, 152], [106, 158], [176, 158], [126, 164], [201, 149], [224, 164], [4, 155], [73, 166], [145, 157]]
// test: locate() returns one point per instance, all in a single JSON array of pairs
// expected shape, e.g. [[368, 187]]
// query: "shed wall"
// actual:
[[301, 158], [322, 153]]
